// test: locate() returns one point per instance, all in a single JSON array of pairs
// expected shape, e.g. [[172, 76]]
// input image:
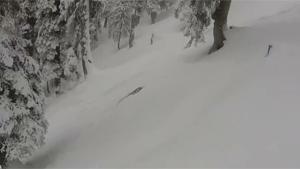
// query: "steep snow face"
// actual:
[[236, 108]]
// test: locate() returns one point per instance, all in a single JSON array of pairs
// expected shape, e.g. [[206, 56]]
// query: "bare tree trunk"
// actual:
[[3, 160], [152, 39], [220, 17], [86, 39], [120, 36], [134, 22], [153, 17], [105, 22], [131, 38]]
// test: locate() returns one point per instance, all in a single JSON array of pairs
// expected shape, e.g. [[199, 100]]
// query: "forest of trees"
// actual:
[[45, 50]]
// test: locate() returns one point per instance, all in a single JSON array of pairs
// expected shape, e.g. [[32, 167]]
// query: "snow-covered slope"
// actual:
[[234, 108]]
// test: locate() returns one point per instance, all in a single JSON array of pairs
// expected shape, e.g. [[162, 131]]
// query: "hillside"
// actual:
[[234, 108]]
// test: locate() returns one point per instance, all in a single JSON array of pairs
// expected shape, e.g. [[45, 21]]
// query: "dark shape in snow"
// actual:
[[269, 50], [134, 92]]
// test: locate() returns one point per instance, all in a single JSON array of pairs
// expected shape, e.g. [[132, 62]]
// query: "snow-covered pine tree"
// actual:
[[55, 43], [72, 27], [75, 42], [48, 42], [82, 43], [153, 9], [181, 6], [22, 121], [120, 21], [195, 16], [22, 125], [138, 6], [96, 18], [41, 41], [28, 10], [107, 6]]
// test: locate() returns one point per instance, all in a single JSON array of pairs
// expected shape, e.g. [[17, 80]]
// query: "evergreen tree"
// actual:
[[121, 22], [76, 41], [48, 44], [153, 9], [72, 26], [27, 12], [22, 121], [96, 18], [81, 30], [63, 42], [107, 6], [138, 6], [43, 45], [196, 15], [182, 5]]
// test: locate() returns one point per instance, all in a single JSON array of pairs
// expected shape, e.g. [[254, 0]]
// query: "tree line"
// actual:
[[45, 50]]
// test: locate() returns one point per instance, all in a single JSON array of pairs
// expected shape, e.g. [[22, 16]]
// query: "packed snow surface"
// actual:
[[238, 107]]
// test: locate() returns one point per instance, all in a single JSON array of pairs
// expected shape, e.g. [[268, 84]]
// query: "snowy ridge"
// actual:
[[235, 108]]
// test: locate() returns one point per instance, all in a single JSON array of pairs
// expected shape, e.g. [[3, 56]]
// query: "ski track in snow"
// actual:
[[235, 108]]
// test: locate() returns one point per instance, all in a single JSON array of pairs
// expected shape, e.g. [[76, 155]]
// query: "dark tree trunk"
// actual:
[[220, 17], [84, 66], [105, 22], [31, 35], [135, 20], [3, 160], [152, 39], [119, 37], [131, 38], [176, 13], [153, 17]]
